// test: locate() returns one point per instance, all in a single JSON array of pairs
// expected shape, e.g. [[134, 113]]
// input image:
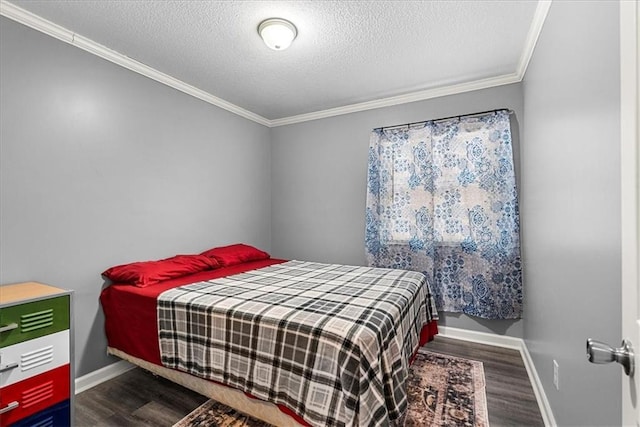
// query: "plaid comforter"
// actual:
[[331, 342]]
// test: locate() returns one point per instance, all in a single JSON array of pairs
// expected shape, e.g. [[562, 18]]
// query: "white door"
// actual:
[[630, 168]]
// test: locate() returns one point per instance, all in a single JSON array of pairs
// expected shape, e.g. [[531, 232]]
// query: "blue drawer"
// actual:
[[58, 415]]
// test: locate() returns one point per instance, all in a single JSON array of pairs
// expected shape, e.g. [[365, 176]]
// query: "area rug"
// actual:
[[442, 391]]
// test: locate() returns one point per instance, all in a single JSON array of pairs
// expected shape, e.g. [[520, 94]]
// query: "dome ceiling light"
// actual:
[[277, 33]]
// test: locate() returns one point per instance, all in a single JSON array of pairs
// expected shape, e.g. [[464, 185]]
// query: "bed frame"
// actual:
[[229, 396]]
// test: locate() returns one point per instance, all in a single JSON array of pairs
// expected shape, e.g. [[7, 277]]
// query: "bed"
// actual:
[[288, 342]]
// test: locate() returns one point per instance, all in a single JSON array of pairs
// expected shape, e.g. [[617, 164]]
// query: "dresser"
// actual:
[[36, 355]]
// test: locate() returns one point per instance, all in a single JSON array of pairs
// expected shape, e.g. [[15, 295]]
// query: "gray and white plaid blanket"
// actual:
[[331, 342]]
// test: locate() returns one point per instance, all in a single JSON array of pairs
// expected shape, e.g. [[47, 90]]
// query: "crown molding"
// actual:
[[540, 15], [535, 29], [36, 22], [29, 19], [401, 99]]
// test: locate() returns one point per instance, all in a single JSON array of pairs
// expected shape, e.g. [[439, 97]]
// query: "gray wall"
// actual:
[[570, 208], [319, 178], [101, 166]]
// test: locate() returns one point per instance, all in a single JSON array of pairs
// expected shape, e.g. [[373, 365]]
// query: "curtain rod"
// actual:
[[481, 113]]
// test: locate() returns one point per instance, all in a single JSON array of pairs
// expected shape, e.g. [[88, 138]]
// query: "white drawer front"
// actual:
[[33, 357]]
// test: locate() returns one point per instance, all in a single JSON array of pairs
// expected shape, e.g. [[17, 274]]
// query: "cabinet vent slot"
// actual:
[[47, 422], [37, 394], [36, 358], [32, 321]]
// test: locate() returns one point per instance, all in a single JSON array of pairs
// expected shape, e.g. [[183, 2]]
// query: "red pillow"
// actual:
[[148, 273], [235, 254]]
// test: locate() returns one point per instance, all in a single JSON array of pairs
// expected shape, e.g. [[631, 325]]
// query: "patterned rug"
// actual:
[[443, 391]]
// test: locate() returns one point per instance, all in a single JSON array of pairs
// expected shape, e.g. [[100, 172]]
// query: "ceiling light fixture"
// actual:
[[277, 33]]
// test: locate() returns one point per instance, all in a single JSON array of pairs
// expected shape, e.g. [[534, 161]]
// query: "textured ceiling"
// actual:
[[346, 52]]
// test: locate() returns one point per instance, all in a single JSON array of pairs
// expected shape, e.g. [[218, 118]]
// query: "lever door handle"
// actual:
[[11, 406], [8, 366], [599, 352], [8, 327]]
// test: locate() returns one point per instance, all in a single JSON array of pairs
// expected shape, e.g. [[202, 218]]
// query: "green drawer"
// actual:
[[23, 322]]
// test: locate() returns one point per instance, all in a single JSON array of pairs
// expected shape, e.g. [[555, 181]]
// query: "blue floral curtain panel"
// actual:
[[442, 199]]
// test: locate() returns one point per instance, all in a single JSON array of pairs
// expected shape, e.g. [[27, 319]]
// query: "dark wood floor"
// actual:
[[138, 398], [510, 398]]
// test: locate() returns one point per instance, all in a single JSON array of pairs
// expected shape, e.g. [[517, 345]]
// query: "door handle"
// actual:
[[599, 352], [8, 327], [11, 406], [8, 366]]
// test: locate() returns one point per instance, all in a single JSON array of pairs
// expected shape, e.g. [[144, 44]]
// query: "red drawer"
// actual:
[[34, 394]]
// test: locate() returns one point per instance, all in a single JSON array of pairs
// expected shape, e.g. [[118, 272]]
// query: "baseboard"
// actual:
[[543, 402], [481, 337], [514, 344], [101, 375]]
